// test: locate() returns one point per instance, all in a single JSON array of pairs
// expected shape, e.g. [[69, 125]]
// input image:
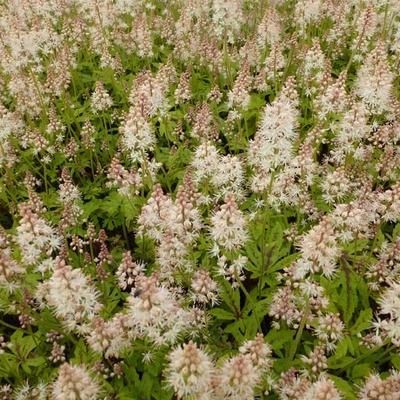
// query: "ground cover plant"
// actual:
[[199, 199]]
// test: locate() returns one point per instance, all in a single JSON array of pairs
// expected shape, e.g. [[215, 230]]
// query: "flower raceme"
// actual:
[[199, 199]]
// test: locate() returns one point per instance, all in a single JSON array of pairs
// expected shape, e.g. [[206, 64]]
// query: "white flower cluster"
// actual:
[[71, 296], [193, 374], [35, 236], [75, 383]]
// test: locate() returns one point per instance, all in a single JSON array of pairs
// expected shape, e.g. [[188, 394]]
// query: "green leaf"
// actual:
[[231, 297], [81, 353], [237, 329], [23, 345], [361, 370], [344, 387], [348, 294], [146, 385], [363, 321], [341, 363], [284, 262], [253, 253], [8, 364], [395, 360], [35, 362], [112, 203], [90, 207], [220, 313], [279, 338], [252, 324]]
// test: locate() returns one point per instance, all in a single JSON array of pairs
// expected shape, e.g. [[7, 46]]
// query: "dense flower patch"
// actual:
[[199, 200]]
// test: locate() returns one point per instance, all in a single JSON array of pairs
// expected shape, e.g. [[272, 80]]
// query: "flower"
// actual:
[[156, 313], [71, 296], [237, 378], [190, 372], [35, 236], [228, 225], [374, 81], [101, 100], [75, 383]]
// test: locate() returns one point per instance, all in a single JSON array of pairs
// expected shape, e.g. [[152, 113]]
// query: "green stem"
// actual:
[[250, 300], [260, 281], [296, 342], [7, 325]]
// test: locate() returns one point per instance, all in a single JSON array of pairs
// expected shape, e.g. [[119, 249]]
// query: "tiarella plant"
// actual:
[[199, 200]]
